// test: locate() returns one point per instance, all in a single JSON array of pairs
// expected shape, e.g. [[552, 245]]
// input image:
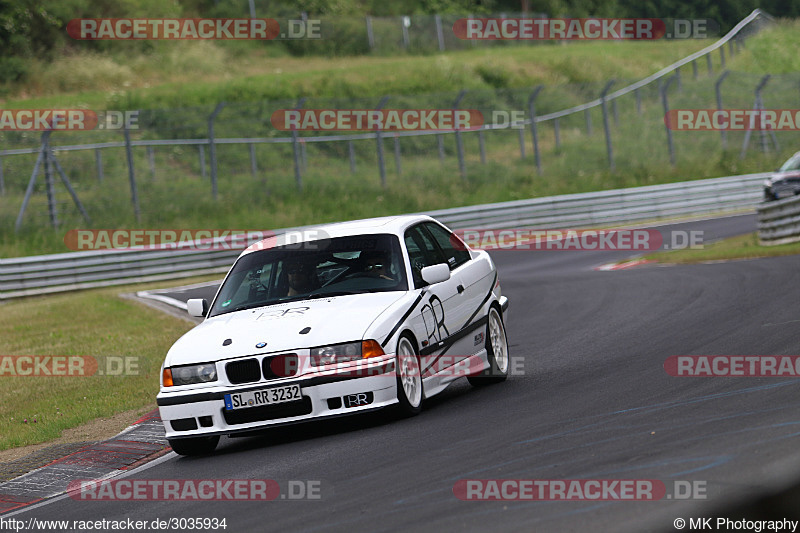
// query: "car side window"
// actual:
[[422, 252], [454, 255]]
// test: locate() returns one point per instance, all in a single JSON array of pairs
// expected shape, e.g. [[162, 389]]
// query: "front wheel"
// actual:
[[409, 378], [194, 445], [496, 352]]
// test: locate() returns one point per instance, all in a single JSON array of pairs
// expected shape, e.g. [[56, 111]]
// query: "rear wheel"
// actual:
[[409, 378], [194, 445], [496, 352]]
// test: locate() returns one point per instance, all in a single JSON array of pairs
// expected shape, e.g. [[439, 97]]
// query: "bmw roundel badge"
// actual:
[[261, 344]]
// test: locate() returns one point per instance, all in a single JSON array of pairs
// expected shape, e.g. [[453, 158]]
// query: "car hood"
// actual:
[[322, 321]]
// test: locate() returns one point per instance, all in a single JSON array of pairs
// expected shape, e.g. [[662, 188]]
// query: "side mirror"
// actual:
[[197, 307], [436, 273]]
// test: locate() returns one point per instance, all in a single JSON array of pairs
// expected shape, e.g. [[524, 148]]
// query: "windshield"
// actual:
[[792, 164], [335, 267]]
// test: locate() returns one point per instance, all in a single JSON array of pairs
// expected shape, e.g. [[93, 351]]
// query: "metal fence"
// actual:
[[779, 222], [631, 118], [28, 276]]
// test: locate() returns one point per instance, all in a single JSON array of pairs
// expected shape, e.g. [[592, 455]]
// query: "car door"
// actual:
[[474, 282], [442, 309]]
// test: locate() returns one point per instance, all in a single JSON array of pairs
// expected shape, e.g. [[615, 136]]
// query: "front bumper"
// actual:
[[201, 411]]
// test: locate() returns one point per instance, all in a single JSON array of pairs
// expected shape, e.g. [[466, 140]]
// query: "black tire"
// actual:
[[194, 445], [409, 378], [496, 352]]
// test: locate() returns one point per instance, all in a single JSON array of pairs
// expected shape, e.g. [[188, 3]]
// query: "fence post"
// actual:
[[370, 35], [131, 174], [481, 146], [352, 153], [439, 33], [534, 131], [759, 105], [29, 189], [298, 177], [202, 154], [379, 141], [694, 69], [609, 148], [708, 61], [52, 209], [462, 169], [213, 149], [722, 56], [717, 90], [665, 103], [405, 22]]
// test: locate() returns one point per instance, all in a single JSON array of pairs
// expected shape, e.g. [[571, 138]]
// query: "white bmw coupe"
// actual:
[[334, 320]]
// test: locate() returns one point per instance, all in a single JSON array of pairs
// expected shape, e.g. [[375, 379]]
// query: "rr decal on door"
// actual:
[[433, 316]]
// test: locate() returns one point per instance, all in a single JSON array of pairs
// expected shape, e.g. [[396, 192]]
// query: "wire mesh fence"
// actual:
[[194, 154]]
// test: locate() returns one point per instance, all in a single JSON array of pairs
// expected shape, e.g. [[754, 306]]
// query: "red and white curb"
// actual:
[[623, 266], [140, 443]]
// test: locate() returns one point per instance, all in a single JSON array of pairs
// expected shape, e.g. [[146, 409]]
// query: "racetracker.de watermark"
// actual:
[[195, 490], [640, 240], [68, 365], [441, 365], [66, 120], [377, 119], [733, 119], [165, 239], [733, 366], [582, 29], [578, 490], [169, 29]]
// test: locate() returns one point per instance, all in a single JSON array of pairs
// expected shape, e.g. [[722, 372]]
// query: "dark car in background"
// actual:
[[785, 181]]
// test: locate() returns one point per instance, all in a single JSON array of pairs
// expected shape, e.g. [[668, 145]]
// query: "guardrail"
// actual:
[[779, 222], [45, 274]]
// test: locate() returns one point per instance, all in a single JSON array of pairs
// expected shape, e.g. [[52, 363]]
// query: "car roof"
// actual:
[[391, 224]]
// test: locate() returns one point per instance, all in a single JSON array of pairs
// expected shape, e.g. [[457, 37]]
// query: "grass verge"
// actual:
[[93, 323], [740, 247]]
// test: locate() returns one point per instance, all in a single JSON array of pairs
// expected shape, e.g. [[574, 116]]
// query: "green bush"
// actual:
[[12, 69], [338, 37]]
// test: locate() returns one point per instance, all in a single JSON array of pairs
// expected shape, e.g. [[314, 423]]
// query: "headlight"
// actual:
[[190, 374], [342, 353]]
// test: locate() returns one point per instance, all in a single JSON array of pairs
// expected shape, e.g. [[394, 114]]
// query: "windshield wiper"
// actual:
[[330, 294]]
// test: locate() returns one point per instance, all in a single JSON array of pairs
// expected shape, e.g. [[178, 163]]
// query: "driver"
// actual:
[[301, 277]]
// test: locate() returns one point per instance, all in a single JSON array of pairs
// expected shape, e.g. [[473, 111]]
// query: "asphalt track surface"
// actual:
[[593, 402]]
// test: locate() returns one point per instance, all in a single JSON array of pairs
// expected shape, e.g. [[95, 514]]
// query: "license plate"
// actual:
[[256, 398]]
